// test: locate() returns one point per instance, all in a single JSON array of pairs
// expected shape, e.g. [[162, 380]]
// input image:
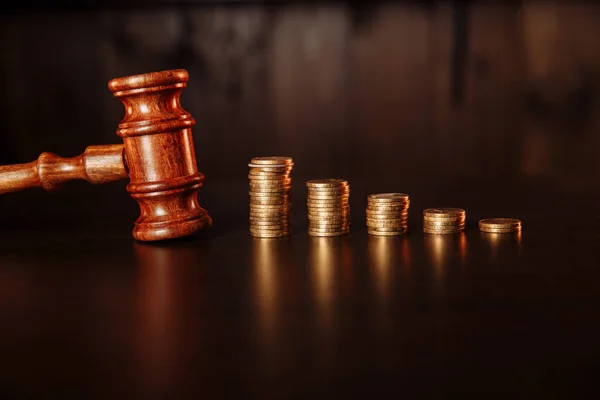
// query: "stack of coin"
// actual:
[[387, 214], [444, 220], [500, 225], [270, 202], [328, 207]]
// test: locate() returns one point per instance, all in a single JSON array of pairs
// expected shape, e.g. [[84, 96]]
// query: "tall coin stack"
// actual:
[[270, 201], [387, 214], [444, 220], [328, 207]]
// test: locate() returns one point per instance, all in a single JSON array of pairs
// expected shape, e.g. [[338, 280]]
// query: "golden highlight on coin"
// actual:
[[387, 214], [328, 207], [500, 225], [270, 186], [442, 221]]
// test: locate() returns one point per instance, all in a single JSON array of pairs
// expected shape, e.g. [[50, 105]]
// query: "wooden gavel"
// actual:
[[157, 155]]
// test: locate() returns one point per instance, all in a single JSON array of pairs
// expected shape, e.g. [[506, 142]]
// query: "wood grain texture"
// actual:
[[98, 164], [159, 145]]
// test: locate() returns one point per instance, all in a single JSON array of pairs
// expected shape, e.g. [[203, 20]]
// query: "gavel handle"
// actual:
[[97, 164]]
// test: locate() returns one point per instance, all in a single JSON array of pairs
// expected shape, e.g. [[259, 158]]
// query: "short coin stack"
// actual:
[[387, 214], [444, 220], [270, 202], [500, 225], [328, 207]]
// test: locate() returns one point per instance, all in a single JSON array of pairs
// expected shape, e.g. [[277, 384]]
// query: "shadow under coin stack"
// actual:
[[387, 214], [500, 225], [270, 201], [328, 207], [444, 220]]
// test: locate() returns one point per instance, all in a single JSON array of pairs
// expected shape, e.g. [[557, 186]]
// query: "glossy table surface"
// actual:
[[86, 310]]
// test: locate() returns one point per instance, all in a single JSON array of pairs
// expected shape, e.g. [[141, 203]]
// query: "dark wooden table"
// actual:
[[86, 310]]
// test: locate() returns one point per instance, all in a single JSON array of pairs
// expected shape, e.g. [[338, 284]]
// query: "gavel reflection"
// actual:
[[157, 155]]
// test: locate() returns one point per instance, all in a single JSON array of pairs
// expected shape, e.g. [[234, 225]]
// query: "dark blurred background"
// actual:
[[415, 92]]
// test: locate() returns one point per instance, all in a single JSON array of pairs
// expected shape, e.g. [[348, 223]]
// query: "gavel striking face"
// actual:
[[158, 156]]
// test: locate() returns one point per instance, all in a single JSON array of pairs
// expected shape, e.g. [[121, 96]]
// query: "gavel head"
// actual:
[[160, 155]]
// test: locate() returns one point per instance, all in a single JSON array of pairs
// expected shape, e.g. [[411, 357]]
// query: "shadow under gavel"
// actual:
[[157, 156]]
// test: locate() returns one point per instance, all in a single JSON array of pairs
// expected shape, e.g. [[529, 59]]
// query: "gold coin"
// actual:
[[270, 218], [326, 196], [327, 183], [271, 170], [329, 191], [328, 228], [441, 232], [275, 192], [434, 230], [265, 208], [273, 221], [328, 206], [328, 224], [343, 204], [271, 160], [271, 201], [458, 228], [265, 235], [386, 215], [387, 228], [270, 230], [500, 223], [445, 212], [388, 197], [386, 222], [387, 202], [438, 219], [269, 195], [386, 233], [257, 180], [325, 202], [329, 216], [442, 224], [499, 230], [266, 179], [330, 219], [267, 217], [328, 202], [270, 191], [290, 167], [321, 220], [323, 234], [386, 208], [260, 178], [327, 210]]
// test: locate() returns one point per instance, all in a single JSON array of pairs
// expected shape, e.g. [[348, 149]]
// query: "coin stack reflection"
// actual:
[[387, 214], [444, 220], [328, 207], [270, 201]]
